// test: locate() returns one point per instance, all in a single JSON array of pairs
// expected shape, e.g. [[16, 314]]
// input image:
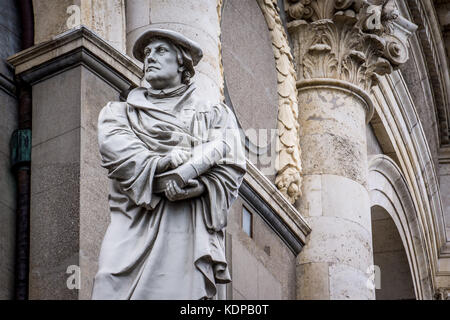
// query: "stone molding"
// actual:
[[351, 40], [274, 208], [288, 162], [398, 116], [8, 86], [340, 85], [432, 43], [70, 49], [401, 117]]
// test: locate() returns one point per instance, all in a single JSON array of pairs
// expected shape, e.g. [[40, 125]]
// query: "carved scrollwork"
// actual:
[[288, 162], [352, 40], [442, 294]]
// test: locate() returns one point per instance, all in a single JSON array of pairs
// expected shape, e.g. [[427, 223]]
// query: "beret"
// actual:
[[177, 38]]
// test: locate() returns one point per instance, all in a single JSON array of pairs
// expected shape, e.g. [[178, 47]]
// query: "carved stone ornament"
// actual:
[[351, 40], [442, 294], [288, 162]]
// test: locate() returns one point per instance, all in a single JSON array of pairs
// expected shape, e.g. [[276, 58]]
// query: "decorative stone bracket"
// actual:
[[350, 40]]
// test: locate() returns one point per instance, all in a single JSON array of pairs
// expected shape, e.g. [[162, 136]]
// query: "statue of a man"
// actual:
[[167, 243]]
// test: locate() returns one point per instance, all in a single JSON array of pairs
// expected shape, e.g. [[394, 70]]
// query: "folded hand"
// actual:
[[193, 189]]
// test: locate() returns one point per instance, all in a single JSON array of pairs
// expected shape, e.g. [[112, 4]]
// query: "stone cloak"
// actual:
[[155, 248]]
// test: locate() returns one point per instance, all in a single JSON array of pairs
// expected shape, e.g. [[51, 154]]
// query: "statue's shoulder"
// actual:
[[114, 108], [202, 105]]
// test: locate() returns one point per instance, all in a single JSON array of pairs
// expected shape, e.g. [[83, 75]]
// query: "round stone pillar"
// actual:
[[198, 20], [338, 254], [340, 49]]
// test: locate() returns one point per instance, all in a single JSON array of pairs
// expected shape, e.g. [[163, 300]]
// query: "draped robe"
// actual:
[[155, 248]]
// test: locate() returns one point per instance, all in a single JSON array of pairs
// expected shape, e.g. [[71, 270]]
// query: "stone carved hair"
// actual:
[[184, 59]]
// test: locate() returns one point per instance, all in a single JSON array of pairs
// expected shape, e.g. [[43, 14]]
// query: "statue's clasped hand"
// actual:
[[193, 189], [173, 160]]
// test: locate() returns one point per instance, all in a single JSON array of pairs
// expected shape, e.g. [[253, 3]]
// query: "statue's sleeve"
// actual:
[[125, 156], [222, 181]]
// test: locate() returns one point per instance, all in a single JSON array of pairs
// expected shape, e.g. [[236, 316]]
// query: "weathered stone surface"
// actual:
[[7, 246], [56, 161], [56, 113], [8, 120], [265, 255], [249, 66], [444, 183], [373, 146], [390, 256], [10, 43], [10, 32], [346, 199], [310, 204], [54, 236], [245, 274], [104, 17], [94, 183], [337, 240], [333, 133], [7, 181], [347, 283], [269, 288], [69, 193], [50, 18], [333, 140], [54, 240], [313, 281]]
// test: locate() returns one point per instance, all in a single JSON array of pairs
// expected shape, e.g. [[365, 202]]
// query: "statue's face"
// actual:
[[161, 65]]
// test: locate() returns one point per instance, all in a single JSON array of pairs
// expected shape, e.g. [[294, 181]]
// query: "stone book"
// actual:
[[204, 157]]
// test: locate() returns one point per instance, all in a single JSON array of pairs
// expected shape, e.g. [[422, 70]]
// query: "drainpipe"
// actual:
[[21, 162]]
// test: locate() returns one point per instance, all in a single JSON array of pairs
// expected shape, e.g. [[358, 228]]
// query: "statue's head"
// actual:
[[168, 56]]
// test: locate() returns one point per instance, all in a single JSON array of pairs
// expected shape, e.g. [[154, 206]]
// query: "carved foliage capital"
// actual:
[[352, 40]]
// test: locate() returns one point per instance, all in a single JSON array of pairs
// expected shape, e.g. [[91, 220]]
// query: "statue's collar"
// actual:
[[140, 97], [168, 93]]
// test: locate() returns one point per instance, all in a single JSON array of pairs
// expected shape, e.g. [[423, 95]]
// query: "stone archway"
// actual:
[[395, 281], [389, 192]]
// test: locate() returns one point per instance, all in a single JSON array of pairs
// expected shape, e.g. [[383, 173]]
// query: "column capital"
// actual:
[[350, 40]]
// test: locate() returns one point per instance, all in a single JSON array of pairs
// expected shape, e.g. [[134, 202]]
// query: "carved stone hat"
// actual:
[[177, 38]]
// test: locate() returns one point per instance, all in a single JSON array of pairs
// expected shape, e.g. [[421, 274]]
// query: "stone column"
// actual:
[[198, 20], [340, 48]]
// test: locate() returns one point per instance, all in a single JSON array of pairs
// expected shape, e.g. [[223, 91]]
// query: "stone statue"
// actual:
[[176, 163]]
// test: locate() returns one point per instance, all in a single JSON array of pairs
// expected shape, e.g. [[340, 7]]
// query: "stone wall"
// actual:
[[251, 77], [9, 44], [262, 267], [104, 17]]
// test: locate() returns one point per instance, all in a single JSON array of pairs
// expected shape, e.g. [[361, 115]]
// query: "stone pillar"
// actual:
[[72, 77], [198, 20], [340, 48]]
